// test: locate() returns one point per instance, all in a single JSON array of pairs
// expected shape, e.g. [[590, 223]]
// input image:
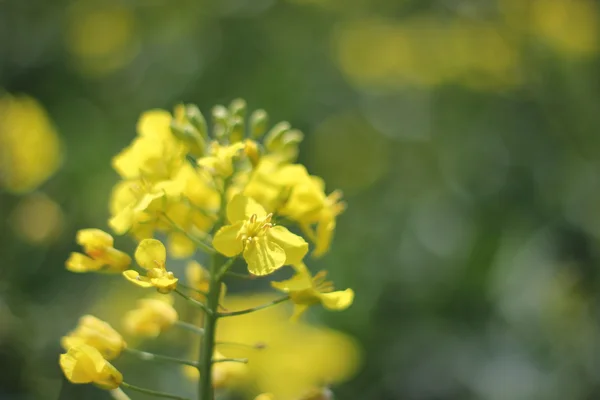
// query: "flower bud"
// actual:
[[190, 136], [196, 118], [220, 117], [252, 152], [258, 123], [273, 137], [236, 129], [238, 108]]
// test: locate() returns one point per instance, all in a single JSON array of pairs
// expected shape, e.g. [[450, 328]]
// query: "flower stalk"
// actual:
[[152, 392]]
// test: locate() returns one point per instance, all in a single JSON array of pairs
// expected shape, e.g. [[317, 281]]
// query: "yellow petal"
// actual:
[[299, 310], [154, 123], [151, 253], [226, 240], [180, 246], [164, 284], [325, 230], [302, 280], [78, 262], [265, 396], [73, 369], [263, 256], [122, 221], [337, 301], [94, 238], [241, 207], [295, 247], [134, 277]]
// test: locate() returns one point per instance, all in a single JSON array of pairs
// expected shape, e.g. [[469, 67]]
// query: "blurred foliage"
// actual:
[[462, 132]]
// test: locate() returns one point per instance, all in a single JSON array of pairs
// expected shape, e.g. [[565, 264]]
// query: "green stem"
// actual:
[[144, 355], [225, 267], [198, 242], [240, 276], [253, 309], [210, 327], [195, 302], [152, 392], [190, 327]]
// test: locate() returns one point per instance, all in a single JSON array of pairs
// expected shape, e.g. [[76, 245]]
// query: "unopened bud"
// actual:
[[220, 115], [252, 152], [194, 115], [238, 108], [259, 121], [236, 129], [273, 137], [190, 136]]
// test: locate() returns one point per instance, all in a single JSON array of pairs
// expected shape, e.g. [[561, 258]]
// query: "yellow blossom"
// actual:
[[152, 316], [85, 364], [152, 256], [296, 357], [308, 205], [100, 255], [155, 154], [265, 247], [96, 333], [220, 159], [30, 149], [306, 290]]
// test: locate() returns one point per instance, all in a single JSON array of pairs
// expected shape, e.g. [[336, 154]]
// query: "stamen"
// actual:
[[253, 218]]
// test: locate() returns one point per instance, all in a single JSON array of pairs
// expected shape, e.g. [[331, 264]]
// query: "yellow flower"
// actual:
[[100, 255], [306, 290], [296, 357], [30, 149], [265, 247], [220, 159], [152, 316], [85, 364], [96, 333], [134, 207], [224, 374], [152, 256], [308, 205], [155, 154]]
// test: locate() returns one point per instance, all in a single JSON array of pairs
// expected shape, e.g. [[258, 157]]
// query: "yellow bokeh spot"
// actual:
[[37, 219], [349, 153], [101, 39], [425, 51], [569, 26], [30, 150]]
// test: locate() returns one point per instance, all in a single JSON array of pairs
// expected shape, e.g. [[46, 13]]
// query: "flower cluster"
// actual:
[[230, 195]]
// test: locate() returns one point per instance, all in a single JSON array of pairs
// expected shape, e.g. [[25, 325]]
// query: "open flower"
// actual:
[[306, 290], [152, 255], [96, 333], [100, 255], [152, 316], [85, 364], [265, 247]]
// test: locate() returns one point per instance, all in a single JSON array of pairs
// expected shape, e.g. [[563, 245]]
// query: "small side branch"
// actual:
[[253, 309], [190, 327], [195, 302], [146, 356], [152, 392]]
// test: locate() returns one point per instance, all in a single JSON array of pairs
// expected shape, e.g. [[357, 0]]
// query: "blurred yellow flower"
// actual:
[[156, 154], [224, 374], [152, 256], [96, 333], [265, 247], [265, 396], [30, 150], [152, 316], [296, 357], [100, 255], [569, 26], [84, 364], [100, 37], [220, 159], [37, 218], [306, 290]]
